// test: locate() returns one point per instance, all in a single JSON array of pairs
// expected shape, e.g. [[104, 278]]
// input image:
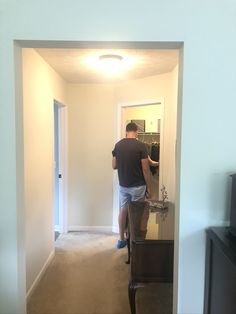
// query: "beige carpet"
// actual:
[[89, 276]]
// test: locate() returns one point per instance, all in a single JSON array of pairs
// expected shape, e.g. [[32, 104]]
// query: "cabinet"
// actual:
[[151, 254], [220, 272]]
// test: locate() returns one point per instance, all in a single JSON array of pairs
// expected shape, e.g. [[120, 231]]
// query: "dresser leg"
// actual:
[[128, 247], [128, 239], [132, 293]]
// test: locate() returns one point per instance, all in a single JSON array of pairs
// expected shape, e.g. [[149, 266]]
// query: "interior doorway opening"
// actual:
[[60, 172], [149, 118], [74, 45]]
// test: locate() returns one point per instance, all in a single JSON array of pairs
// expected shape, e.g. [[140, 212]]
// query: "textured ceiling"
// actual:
[[81, 65]]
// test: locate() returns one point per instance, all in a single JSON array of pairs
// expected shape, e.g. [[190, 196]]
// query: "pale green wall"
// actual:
[[208, 151]]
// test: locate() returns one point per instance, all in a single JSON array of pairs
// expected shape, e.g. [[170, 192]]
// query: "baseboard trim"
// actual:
[[115, 229], [57, 228], [39, 276], [91, 228]]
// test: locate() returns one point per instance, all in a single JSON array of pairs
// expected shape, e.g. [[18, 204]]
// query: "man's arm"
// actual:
[[152, 162], [146, 174], [114, 163]]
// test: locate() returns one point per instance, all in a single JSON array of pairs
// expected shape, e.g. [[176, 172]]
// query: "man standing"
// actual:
[[130, 158]]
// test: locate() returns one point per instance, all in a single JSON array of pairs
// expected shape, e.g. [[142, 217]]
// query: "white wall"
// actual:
[[90, 134], [163, 87], [41, 85], [157, 87], [209, 58], [92, 115], [170, 135], [149, 113]]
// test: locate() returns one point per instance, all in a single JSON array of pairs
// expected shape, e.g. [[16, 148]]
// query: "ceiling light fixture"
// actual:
[[111, 64], [111, 58]]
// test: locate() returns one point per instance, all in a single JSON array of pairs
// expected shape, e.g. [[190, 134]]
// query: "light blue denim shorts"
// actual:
[[127, 195]]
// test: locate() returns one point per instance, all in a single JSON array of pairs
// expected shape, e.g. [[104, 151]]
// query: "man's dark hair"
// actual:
[[131, 127]]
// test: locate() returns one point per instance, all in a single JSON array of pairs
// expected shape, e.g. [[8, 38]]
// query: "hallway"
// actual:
[[89, 276], [207, 75]]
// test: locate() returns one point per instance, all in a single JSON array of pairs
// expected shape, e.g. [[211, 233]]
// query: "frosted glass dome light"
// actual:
[[111, 62]]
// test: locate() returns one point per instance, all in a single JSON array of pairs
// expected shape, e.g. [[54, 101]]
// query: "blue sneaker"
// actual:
[[121, 244]]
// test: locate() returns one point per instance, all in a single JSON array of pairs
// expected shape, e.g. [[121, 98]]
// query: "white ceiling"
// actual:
[[74, 65]]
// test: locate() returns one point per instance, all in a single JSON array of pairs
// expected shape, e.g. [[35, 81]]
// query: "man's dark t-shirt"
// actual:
[[128, 153]]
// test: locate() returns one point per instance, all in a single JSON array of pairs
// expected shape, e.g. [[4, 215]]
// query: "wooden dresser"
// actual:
[[151, 249], [220, 272]]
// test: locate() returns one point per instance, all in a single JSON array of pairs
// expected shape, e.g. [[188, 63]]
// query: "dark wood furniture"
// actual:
[[151, 254], [220, 272]]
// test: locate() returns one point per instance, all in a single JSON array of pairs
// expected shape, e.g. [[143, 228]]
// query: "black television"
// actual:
[[232, 221]]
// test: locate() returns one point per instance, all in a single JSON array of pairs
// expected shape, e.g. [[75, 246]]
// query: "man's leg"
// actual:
[[124, 198], [122, 222]]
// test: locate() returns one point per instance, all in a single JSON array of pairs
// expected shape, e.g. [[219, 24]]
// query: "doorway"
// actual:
[[149, 118], [152, 112], [60, 173], [64, 177]]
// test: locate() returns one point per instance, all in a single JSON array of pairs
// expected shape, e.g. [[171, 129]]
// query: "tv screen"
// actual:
[[233, 202]]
